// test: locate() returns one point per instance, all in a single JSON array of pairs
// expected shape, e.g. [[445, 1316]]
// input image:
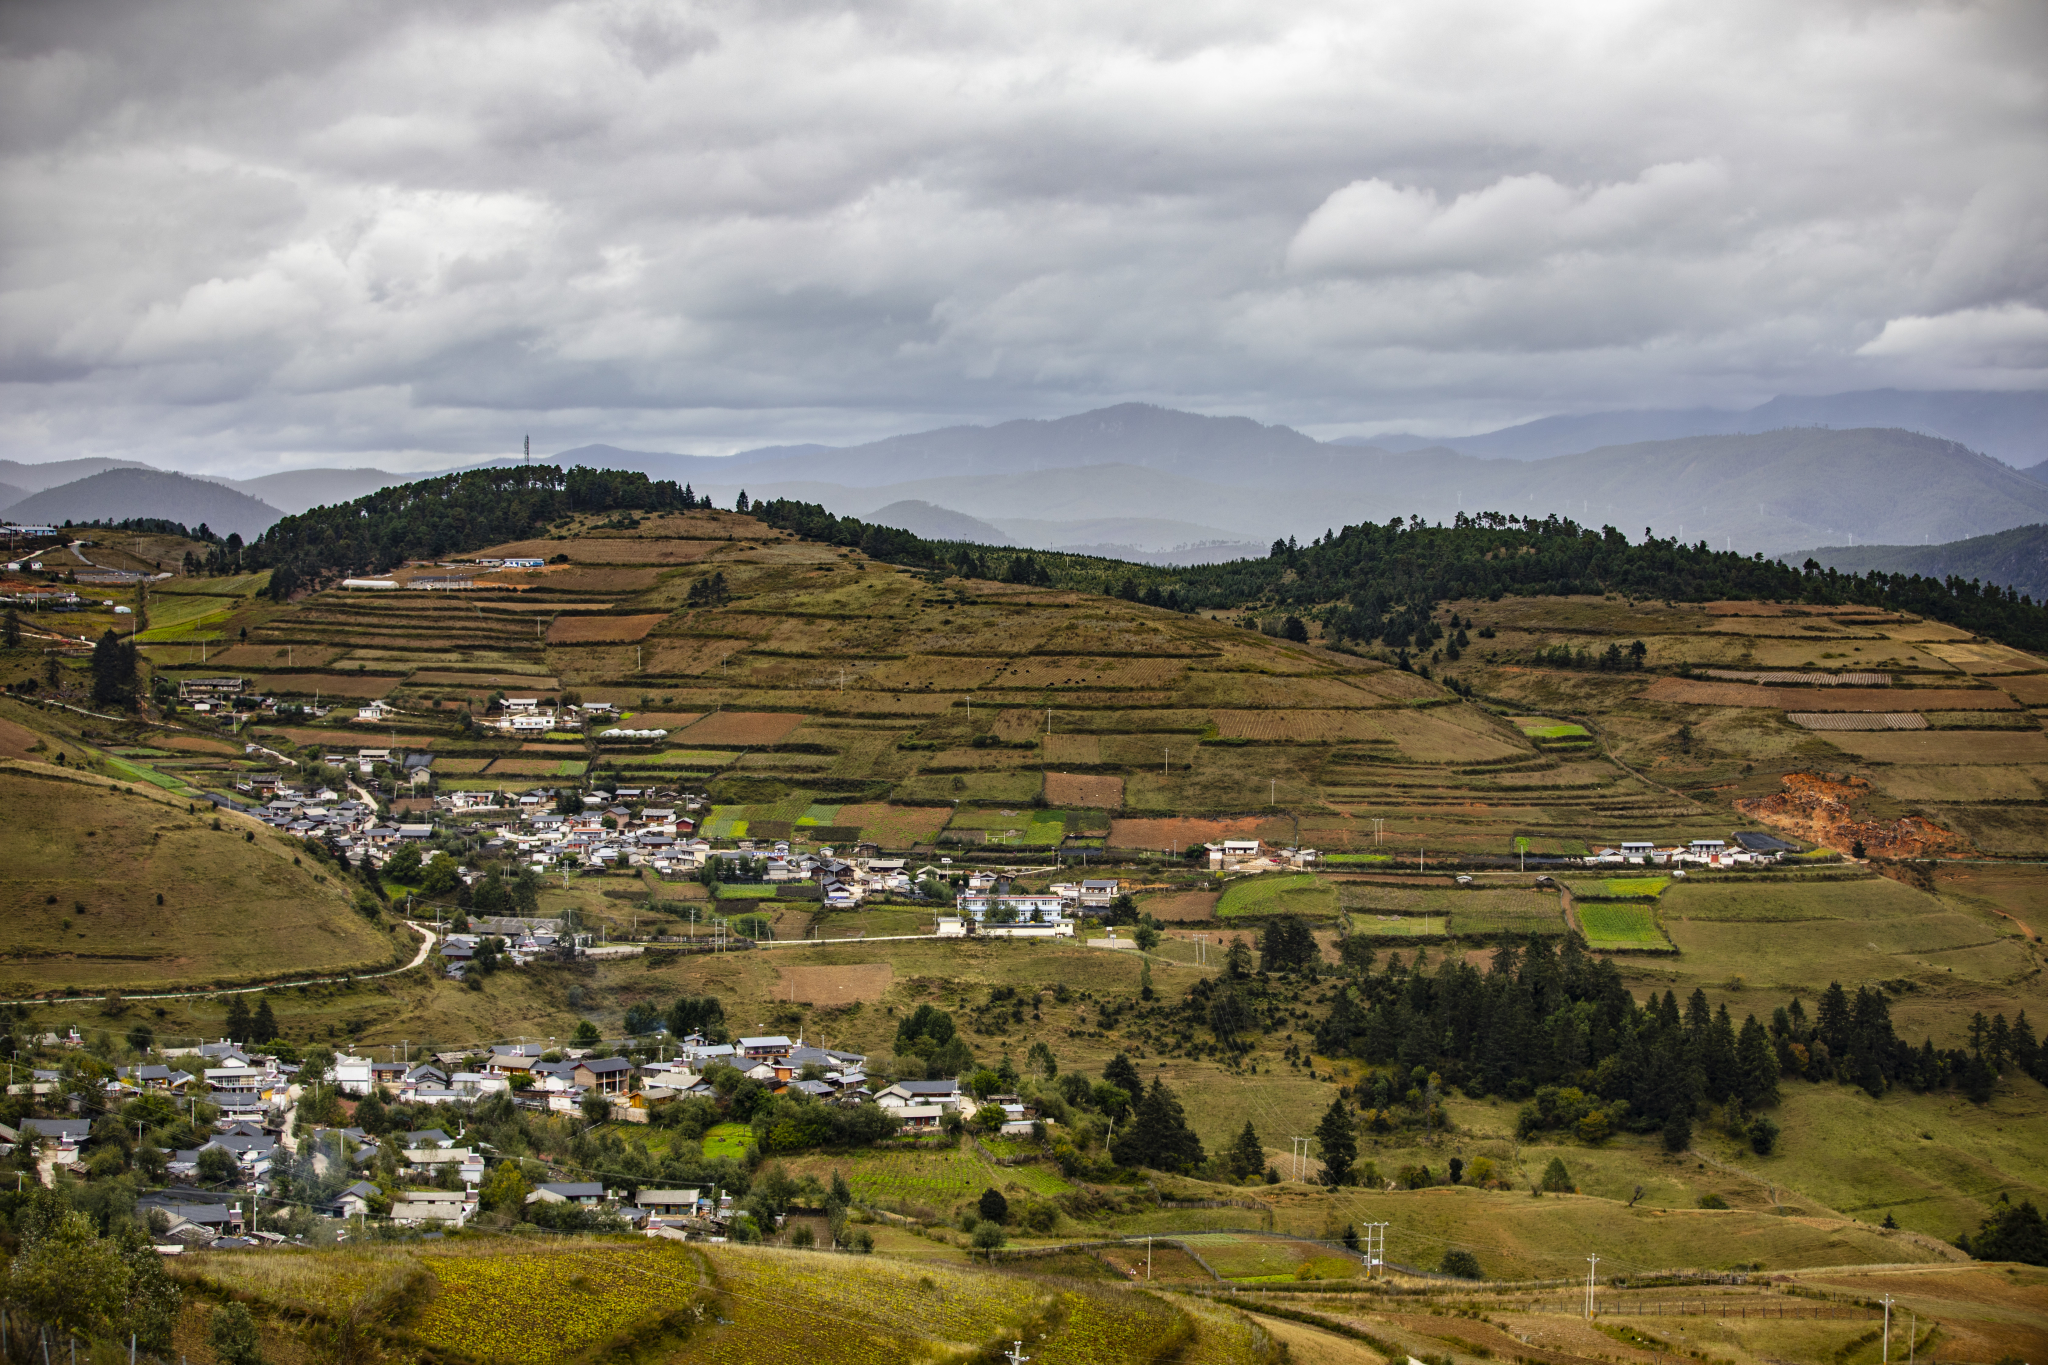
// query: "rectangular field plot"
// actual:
[[1259, 1258], [1873, 898], [1946, 746], [1507, 912], [895, 826], [696, 759], [1973, 657], [1691, 692], [1073, 748], [585, 630], [2009, 782], [1071, 671], [1074, 789], [537, 767], [1539, 727], [1298, 727], [1301, 893], [1621, 926], [1621, 886], [1857, 720], [743, 728], [354, 685], [591, 550]]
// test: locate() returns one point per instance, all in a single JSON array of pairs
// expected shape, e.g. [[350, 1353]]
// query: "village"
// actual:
[[257, 1150]]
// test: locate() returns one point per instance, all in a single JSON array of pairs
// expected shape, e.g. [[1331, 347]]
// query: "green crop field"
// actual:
[[728, 891], [936, 1179], [1300, 893], [728, 1140], [1620, 925]]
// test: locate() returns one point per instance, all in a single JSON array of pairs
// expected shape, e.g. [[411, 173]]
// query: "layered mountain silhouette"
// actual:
[[1147, 482]]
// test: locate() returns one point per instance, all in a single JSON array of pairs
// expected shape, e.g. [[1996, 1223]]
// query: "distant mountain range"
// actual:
[[1153, 484], [121, 493], [2017, 558], [2012, 427]]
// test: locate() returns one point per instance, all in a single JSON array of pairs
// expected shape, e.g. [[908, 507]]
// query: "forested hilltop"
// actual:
[[453, 514], [1364, 583]]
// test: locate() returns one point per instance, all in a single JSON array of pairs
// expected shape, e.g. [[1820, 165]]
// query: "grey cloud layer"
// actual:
[[234, 236]]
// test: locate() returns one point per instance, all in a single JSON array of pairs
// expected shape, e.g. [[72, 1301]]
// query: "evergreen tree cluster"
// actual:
[[1556, 1017], [447, 515]]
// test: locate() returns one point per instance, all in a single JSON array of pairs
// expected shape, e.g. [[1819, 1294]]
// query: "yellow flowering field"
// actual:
[[533, 1305], [1120, 1325], [785, 1307]]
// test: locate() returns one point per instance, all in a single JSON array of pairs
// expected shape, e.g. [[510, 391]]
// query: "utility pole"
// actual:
[[1886, 1357], [1015, 1355], [1148, 1256], [1592, 1264], [1300, 1157]]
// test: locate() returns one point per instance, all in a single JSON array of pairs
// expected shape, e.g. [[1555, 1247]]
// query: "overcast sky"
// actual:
[[253, 236]]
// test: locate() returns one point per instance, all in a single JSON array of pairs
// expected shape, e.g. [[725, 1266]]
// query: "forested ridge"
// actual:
[[453, 514], [1365, 583]]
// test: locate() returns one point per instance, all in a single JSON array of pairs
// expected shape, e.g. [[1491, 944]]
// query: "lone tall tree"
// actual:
[[113, 671], [1247, 1155], [1340, 1146]]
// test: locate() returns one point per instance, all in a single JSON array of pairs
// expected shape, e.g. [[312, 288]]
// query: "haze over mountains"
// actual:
[[1150, 483], [2012, 427]]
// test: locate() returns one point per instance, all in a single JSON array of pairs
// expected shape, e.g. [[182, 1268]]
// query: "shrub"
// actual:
[[993, 1207], [232, 1334], [1556, 1179], [1763, 1136], [1462, 1264], [988, 1236], [1713, 1201]]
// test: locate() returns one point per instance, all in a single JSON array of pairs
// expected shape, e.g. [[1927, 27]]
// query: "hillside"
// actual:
[[121, 494], [119, 884], [818, 695], [2016, 559]]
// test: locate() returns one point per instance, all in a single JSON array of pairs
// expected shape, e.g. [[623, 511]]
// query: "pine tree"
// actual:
[[263, 1028], [238, 1022], [1757, 1066], [1158, 1135], [1340, 1146], [1247, 1155], [1122, 1074]]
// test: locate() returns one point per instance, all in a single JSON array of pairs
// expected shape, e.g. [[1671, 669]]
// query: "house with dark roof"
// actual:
[[608, 1075]]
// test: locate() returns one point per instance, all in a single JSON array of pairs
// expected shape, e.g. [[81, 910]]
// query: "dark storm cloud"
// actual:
[[235, 236]]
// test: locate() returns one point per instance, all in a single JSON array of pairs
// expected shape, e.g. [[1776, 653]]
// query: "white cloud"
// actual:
[[2010, 336], [701, 224]]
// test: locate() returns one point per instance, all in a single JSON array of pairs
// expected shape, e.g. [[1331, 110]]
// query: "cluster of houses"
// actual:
[[441, 1173], [1750, 849]]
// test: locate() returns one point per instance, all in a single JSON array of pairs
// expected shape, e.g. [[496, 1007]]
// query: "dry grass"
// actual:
[[1181, 907], [1947, 746], [1692, 693], [1073, 671], [864, 981], [580, 630], [591, 550], [359, 685], [1180, 831], [1073, 789]]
